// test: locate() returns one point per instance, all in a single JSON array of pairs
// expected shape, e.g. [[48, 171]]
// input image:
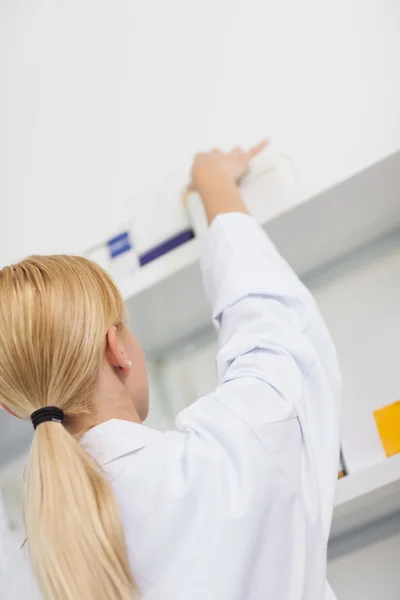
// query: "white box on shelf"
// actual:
[[160, 223], [271, 184], [361, 444], [116, 255]]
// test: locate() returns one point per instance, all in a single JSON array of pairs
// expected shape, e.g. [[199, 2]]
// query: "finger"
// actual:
[[236, 151], [257, 149]]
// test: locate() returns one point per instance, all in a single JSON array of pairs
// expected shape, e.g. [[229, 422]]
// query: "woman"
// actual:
[[236, 502]]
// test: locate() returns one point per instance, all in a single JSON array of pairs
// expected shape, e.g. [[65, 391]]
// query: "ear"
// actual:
[[115, 352], [10, 412]]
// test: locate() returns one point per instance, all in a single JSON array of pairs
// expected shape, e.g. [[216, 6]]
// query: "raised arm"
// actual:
[[277, 368], [258, 302]]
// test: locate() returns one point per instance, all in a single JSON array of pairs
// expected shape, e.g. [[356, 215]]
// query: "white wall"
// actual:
[[98, 97]]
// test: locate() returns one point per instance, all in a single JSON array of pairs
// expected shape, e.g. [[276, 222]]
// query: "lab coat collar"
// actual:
[[115, 438]]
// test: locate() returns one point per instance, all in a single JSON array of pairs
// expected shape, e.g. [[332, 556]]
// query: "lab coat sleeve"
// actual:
[[250, 287], [270, 329], [261, 451]]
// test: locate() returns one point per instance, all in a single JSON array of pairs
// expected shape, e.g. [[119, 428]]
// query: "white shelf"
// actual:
[[160, 269], [166, 301], [366, 498]]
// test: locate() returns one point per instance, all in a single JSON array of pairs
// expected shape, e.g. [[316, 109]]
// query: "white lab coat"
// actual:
[[236, 502]]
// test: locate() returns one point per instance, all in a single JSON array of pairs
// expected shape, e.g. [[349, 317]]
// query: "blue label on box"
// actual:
[[165, 247], [119, 244]]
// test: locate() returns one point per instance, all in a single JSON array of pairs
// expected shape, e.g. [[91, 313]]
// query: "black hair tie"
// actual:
[[47, 413]]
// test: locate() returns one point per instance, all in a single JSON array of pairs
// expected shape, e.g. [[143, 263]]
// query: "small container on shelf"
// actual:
[[117, 255], [159, 221], [267, 189], [371, 437], [387, 420]]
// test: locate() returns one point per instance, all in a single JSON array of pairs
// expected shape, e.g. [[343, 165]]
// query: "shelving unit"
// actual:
[[166, 301], [167, 304]]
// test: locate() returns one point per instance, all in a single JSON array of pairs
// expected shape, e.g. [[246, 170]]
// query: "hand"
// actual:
[[232, 165], [215, 176]]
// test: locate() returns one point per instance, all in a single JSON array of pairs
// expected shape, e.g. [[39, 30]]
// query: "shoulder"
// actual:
[[213, 453]]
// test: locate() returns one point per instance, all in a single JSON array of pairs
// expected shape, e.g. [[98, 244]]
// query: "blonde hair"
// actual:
[[54, 315]]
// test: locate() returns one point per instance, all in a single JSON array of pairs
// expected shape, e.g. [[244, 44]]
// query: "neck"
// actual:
[[112, 407]]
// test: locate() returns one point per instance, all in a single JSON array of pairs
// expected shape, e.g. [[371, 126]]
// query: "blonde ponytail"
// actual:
[[54, 314], [74, 532]]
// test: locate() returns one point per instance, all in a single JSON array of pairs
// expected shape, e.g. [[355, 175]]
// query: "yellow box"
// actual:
[[388, 422]]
